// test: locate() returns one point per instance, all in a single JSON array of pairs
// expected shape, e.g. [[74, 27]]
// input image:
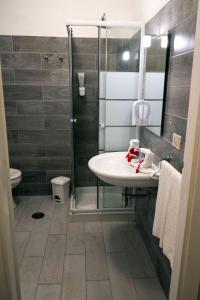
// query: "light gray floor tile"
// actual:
[[21, 204], [29, 274], [59, 220], [112, 237], [47, 206], [37, 243], [26, 221], [75, 239], [93, 227], [139, 262], [21, 239], [121, 282], [96, 262], [99, 290], [48, 292], [124, 226], [149, 289], [52, 267], [74, 281]]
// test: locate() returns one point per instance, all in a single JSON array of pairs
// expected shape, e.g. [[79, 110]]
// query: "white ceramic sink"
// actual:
[[113, 168]]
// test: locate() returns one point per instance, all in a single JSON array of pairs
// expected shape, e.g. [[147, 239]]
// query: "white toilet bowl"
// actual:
[[15, 178]]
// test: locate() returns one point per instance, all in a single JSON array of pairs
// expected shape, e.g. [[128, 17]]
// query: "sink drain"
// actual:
[[38, 215]]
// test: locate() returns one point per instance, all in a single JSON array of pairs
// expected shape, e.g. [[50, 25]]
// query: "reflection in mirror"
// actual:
[[156, 49]]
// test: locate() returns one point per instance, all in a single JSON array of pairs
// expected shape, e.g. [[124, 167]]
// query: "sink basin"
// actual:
[[113, 168]]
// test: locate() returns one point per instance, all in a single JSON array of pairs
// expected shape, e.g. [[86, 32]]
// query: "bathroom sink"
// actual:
[[113, 168]]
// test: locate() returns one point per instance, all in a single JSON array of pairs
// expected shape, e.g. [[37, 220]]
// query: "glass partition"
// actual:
[[118, 90]]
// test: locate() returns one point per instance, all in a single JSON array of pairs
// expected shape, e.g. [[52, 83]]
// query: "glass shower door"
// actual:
[[119, 73], [84, 53]]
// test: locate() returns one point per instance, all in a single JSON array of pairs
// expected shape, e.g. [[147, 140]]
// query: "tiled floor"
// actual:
[[61, 259]]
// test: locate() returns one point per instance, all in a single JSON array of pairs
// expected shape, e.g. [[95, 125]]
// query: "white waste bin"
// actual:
[[60, 188]]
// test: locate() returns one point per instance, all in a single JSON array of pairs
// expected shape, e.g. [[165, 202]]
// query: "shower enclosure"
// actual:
[[110, 56]]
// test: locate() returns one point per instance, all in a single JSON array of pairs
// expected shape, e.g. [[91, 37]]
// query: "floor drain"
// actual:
[[38, 215]]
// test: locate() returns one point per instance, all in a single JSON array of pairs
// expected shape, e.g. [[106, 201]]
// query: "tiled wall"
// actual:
[[37, 105], [178, 17]]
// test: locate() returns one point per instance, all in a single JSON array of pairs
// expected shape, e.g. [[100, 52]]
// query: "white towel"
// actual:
[[167, 208]]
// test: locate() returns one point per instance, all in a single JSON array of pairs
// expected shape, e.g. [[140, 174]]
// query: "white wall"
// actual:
[[48, 17]]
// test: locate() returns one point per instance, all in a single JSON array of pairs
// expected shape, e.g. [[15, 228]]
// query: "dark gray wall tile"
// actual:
[[60, 150], [8, 76], [5, 43], [22, 92], [56, 107], [174, 124], [12, 136], [39, 97], [50, 137], [37, 189], [84, 61], [30, 107], [39, 44], [21, 60], [24, 122], [22, 149], [85, 45], [43, 163], [178, 100], [34, 177], [180, 69], [53, 107], [54, 61], [56, 122], [56, 92], [183, 36], [57, 163], [10, 108], [155, 63], [45, 77]]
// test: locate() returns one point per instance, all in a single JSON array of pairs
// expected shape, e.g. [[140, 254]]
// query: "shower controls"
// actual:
[[46, 58], [73, 120], [61, 59]]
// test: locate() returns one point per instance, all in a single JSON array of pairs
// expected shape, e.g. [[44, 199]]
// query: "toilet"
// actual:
[[15, 178]]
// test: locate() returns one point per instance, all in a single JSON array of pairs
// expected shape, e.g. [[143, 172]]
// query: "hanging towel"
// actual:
[[167, 209]]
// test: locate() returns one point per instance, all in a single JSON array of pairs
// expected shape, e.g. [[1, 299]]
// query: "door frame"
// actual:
[[9, 277], [186, 272]]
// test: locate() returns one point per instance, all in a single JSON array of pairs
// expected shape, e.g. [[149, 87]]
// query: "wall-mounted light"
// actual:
[[126, 55], [147, 41], [164, 41]]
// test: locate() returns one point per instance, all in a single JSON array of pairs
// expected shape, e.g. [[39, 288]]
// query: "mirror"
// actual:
[[156, 51]]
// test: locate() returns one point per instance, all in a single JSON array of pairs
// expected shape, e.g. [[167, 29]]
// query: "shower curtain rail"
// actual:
[[104, 23]]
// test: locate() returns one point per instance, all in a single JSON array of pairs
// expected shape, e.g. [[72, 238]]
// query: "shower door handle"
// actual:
[[102, 125]]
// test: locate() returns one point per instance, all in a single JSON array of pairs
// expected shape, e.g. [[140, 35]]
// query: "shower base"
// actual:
[[110, 200]]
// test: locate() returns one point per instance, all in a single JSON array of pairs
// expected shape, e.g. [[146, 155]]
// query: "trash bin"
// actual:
[[60, 188]]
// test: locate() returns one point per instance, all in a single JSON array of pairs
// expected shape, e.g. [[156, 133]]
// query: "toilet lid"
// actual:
[[14, 173]]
